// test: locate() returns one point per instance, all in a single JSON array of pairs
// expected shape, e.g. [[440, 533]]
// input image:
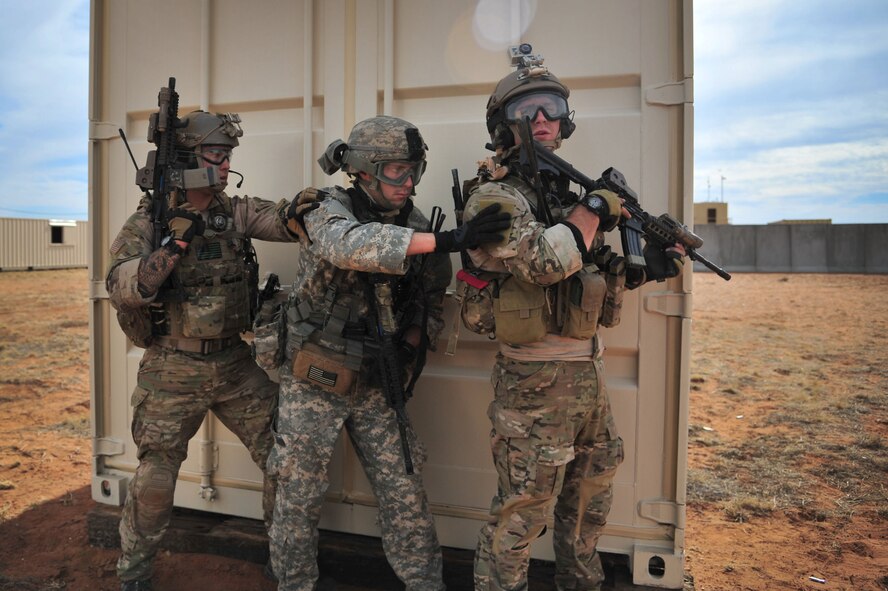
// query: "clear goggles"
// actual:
[[553, 106], [396, 172], [215, 155]]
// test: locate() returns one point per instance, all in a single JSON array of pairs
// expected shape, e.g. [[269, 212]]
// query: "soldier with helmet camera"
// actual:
[[186, 301], [543, 290]]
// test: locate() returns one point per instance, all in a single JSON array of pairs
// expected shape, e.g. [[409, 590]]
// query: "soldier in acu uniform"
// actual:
[[549, 285], [362, 238], [195, 359]]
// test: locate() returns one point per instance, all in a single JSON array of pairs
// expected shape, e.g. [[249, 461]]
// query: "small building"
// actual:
[[710, 212], [29, 244]]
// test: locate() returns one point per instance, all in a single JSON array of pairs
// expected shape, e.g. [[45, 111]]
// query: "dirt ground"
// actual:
[[788, 452]]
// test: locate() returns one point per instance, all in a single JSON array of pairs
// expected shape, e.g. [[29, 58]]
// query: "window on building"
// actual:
[[710, 215], [57, 230]]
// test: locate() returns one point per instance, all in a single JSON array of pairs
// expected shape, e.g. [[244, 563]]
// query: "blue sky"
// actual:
[[791, 106], [790, 99]]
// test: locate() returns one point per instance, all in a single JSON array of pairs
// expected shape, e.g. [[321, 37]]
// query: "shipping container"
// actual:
[[31, 244], [300, 74]]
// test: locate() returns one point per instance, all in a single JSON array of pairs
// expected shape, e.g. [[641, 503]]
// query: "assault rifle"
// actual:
[[159, 173], [663, 231], [387, 361]]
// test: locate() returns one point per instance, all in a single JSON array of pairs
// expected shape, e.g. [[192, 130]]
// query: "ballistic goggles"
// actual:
[[215, 155], [396, 172], [553, 106]]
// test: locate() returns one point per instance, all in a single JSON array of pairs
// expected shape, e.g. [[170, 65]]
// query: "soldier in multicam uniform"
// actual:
[[551, 285], [329, 379], [195, 359]]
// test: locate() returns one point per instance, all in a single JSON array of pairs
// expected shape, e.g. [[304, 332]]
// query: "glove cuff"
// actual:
[[444, 241]]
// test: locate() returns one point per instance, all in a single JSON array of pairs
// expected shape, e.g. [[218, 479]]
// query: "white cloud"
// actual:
[[791, 105]]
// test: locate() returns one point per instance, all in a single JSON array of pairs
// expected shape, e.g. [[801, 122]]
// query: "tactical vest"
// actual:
[[337, 326], [211, 293], [517, 312]]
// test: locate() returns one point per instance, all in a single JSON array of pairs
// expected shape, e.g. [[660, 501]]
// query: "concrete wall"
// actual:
[[27, 244], [806, 248]]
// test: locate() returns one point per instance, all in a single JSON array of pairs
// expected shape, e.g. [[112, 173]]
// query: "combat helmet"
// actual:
[[372, 144], [530, 78], [202, 128]]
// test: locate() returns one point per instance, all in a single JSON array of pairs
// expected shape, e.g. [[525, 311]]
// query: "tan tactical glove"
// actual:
[[305, 201], [185, 222]]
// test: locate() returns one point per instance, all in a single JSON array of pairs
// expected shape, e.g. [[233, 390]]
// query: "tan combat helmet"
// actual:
[[202, 128], [372, 144], [530, 77]]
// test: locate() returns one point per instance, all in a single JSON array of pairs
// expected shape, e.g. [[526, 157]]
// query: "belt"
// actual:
[[202, 346]]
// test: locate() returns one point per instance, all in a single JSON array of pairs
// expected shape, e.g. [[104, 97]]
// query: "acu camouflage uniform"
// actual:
[[553, 439], [195, 361], [327, 310]]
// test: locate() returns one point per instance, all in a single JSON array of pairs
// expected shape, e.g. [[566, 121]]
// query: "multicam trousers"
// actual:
[[308, 425], [174, 392], [555, 447]]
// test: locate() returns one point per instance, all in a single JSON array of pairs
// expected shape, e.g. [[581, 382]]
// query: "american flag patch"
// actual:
[[322, 376], [210, 250]]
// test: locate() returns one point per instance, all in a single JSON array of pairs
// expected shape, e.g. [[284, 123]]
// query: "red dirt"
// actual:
[[762, 337]]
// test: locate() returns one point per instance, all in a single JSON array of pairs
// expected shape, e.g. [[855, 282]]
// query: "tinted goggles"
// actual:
[[552, 105], [397, 172]]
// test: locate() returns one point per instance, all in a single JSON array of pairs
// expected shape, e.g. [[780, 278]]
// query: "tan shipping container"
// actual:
[[629, 66], [30, 244]]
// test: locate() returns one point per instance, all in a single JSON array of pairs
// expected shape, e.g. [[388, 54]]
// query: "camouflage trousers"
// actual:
[[174, 392], [308, 425], [555, 447]]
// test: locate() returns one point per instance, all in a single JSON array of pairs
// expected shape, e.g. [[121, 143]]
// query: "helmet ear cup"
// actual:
[[503, 137], [567, 128]]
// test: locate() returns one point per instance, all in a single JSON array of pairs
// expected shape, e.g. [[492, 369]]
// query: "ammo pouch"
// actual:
[[270, 332], [136, 325], [582, 296], [615, 278], [324, 368], [521, 312], [476, 293], [203, 317]]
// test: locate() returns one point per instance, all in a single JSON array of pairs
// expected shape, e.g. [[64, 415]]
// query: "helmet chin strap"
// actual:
[[375, 197]]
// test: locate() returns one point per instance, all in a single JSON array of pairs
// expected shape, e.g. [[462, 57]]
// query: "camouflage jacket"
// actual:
[[350, 240], [533, 252], [213, 270]]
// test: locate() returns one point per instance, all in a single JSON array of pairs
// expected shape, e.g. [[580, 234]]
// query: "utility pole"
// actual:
[[723, 178]]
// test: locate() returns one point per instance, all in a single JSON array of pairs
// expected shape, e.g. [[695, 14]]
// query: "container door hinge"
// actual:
[[103, 130], [662, 511], [672, 93], [668, 303], [106, 446]]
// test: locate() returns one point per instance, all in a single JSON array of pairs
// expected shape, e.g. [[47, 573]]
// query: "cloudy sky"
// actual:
[[791, 108]]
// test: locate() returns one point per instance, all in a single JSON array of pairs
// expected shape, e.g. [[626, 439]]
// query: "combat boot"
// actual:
[[143, 585]]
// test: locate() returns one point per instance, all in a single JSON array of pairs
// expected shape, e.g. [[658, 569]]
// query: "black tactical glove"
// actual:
[[486, 226], [185, 222], [606, 205], [660, 264], [305, 201]]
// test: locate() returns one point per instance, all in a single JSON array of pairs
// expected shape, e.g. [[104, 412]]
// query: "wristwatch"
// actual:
[[171, 245], [596, 205]]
